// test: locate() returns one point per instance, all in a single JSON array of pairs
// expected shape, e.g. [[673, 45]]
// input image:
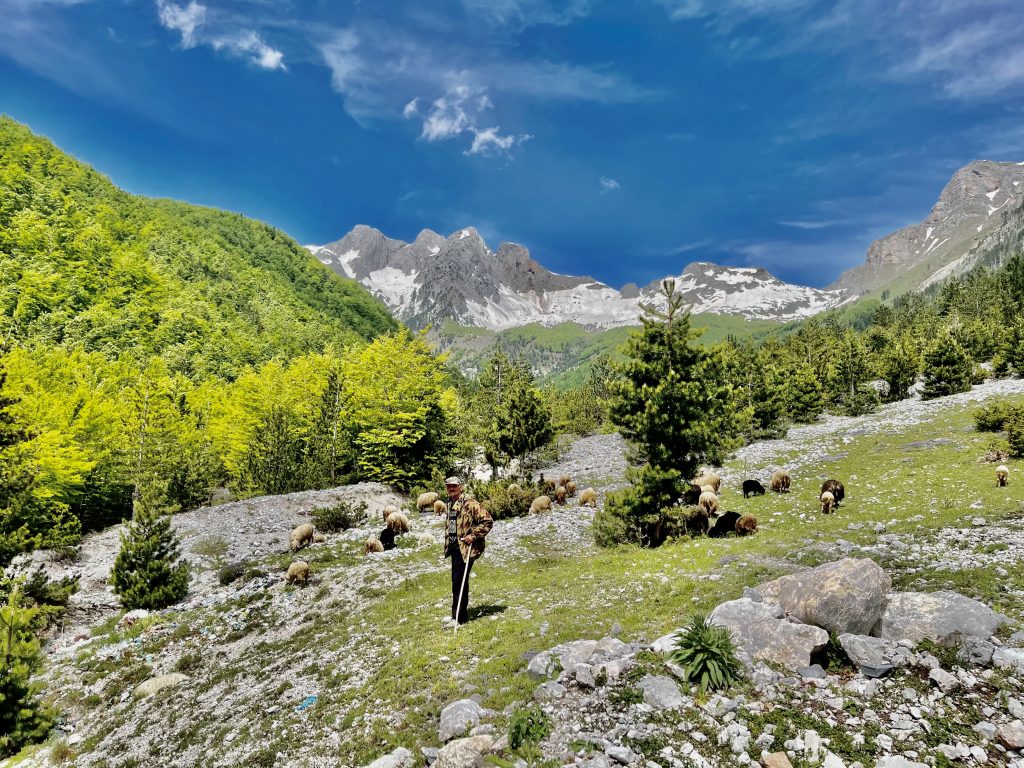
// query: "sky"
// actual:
[[619, 139]]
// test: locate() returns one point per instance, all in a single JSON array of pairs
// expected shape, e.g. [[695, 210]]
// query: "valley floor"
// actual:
[[343, 670]]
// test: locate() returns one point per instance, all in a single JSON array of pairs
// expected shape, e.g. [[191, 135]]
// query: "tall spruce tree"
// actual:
[[673, 406], [805, 399], [947, 369], [148, 571], [23, 718], [899, 366], [523, 423]]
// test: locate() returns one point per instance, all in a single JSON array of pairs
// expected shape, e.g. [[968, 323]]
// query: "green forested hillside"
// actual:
[[153, 351]]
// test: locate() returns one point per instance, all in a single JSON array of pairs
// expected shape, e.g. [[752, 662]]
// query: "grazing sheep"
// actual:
[[389, 509], [545, 486], [588, 498], [425, 500], [1002, 475], [425, 539], [836, 489], [752, 488], [708, 489], [564, 480], [373, 545], [298, 573], [301, 537], [691, 496], [747, 524], [540, 504], [398, 522], [319, 538], [708, 503], [708, 478], [780, 481], [697, 523], [724, 525], [570, 488], [827, 502], [560, 494], [440, 508]]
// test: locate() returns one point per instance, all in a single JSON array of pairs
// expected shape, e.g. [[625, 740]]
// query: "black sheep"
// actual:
[[835, 488], [387, 538], [752, 488], [724, 525], [691, 496]]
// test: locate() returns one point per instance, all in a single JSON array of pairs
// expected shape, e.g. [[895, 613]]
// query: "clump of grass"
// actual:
[[707, 655]]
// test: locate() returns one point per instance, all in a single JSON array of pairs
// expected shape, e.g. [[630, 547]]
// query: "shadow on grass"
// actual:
[[483, 611]]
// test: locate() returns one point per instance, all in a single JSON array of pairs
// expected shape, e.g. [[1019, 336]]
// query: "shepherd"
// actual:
[[468, 525]]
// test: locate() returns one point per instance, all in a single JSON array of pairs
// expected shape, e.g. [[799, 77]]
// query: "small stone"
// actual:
[[985, 729], [978, 522], [585, 675], [1015, 707], [909, 694], [832, 761], [399, 758], [548, 691], [897, 761], [661, 692], [623, 755], [947, 682], [775, 760], [813, 672], [463, 753], [458, 717], [1011, 735]]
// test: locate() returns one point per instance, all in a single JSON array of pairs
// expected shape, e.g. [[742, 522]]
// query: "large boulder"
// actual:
[[661, 692], [762, 633], [457, 718], [847, 595], [943, 617], [400, 758], [464, 753], [873, 656]]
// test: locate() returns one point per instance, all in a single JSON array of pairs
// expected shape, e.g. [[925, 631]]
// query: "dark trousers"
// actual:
[[460, 611]]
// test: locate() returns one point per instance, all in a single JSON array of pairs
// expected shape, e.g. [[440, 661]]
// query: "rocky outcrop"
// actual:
[[845, 596], [762, 633], [943, 617]]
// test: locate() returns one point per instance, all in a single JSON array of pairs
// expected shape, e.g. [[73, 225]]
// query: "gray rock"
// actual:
[[464, 753], [154, 684], [399, 758], [661, 692], [760, 630], [977, 651], [943, 617], [946, 681], [1011, 735], [623, 755], [585, 675], [457, 718], [897, 761], [1015, 707], [665, 643], [873, 656], [986, 730], [548, 691], [1007, 658], [847, 595], [813, 672], [832, 761]]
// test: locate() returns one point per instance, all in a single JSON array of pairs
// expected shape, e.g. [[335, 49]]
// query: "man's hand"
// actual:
[[468, 540]]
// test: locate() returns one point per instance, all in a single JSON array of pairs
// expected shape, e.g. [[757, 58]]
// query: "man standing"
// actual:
[[468, 524]]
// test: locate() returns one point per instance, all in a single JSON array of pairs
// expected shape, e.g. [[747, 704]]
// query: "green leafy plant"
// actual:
[[529, 726], [707, 655], [340, 517]]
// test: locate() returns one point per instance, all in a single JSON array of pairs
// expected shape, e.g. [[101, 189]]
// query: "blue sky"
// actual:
[[617, 139]]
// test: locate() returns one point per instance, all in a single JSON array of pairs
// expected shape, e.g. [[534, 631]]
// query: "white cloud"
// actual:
[[411, 109], [520, 14], [607, 185], [456, 113], [251, 44], [185, 19], [807, 224], [489, 142]]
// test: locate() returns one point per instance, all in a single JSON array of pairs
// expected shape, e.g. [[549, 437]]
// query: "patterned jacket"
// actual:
[[470, 519]]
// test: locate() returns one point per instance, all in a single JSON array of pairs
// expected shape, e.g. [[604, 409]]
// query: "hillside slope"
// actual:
[[87, 265]]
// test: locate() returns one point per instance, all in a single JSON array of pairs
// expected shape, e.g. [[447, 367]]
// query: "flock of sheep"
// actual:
[[704, 495]]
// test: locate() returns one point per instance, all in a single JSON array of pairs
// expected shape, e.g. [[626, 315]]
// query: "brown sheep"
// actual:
[[319, 538], [708, 503], [560, 494], [828, 501], [697, 523], [707, 489], [540, 504], [746, 524], [389, 509], [708, 478], [570, 488], [398, 522], [373, 544], [1002, 475], [588, 498], [425, 500], [440, 508], [301, 537], [781, 481], [564, 480], [298, 573]]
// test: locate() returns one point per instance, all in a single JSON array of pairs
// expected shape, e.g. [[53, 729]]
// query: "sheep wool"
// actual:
[[373, 544], [827, 502], [570, 488], [708, 478], [425, 500], [319, 538], [564, 480], [301, 537], [440, 508], [388, 510], [298, 573], [708, 503], [747, 524], [1002, 475], [425, 539], [588, 498], [540, 504], [398, 522], [560, 494], [781, 481]]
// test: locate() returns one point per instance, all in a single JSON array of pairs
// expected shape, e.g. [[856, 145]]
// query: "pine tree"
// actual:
[[273, 461], [850, 372], [23, 718], [500, 377], [329, 456], [805, 399], [672, 404], [1013, 348], [900, 364], [947, 369], [523, 423], [148, 572]]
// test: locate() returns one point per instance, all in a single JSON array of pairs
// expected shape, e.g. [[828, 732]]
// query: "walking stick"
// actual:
[[462, 589]]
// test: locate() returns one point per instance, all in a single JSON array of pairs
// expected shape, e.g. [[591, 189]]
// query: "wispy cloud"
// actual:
[[807, 224], [520, 14], [197, 26], [608, 185], [456, 113]]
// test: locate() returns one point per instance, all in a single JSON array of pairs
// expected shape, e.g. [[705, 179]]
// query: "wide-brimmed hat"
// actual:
[[453, 480]]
